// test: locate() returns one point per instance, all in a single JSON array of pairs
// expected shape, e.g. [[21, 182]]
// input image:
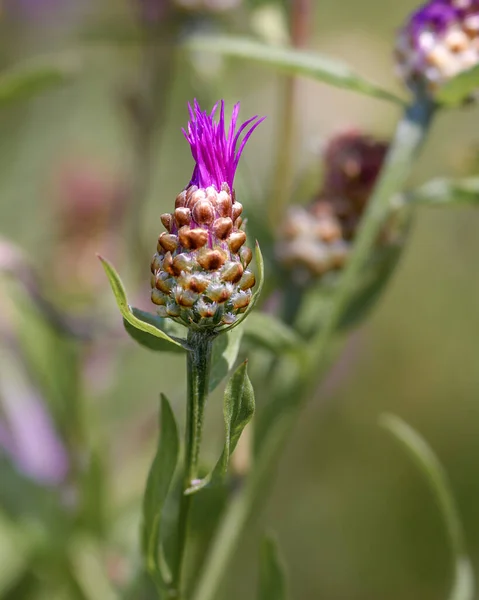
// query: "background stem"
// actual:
[[301, 20], [404, 149]]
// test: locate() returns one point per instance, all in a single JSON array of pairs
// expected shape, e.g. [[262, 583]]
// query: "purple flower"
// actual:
[[215, 152], [200, 273], [439, 41], [27, 433]]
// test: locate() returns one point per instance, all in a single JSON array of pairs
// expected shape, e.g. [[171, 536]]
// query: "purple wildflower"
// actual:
[[200, 273], [440, 40], [27, 433], [215, 151]]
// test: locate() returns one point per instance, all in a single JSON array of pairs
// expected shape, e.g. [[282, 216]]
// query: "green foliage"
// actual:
[[169, 327], [458, 90], [427, 461], [238, 410], [291, 61], [447, 192], [26, 80], [266, 331], [224, 354], [126, 311], [272, 579], [158, 485]]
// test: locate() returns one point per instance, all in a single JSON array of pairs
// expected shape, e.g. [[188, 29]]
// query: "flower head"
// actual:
[[216, 152], [440, 40], [199, 273], [316, 239]]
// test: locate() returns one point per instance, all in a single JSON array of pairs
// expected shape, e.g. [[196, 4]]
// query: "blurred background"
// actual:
[[90, 166]]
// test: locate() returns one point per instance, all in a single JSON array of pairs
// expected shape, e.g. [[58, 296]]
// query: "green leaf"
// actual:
[[158, 485], [268, 332], [223, 357], [378, 271], [440, 192], [272, 579], [172, 329], [238, 410], [427, 461], [460, 88], [291, 61], [28, 79], [127, 311], [375, 280]]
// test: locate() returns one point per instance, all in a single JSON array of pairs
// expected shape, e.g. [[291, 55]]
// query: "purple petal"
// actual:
[[213, 150]]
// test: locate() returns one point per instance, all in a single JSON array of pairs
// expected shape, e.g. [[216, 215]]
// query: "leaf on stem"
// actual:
[[172, 329], [427, 461], [460, 88], [238, 410], [28, 79], [225, 352], [291, 61], [266, 331], [451, 192], [146, 327], [158, 485], [272, 578]]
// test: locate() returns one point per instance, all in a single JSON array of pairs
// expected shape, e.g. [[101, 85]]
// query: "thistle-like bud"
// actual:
[[200, 273], [439, 41], [316, 239]]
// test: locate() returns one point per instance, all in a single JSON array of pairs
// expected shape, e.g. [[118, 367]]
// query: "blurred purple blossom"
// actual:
[[27, 433], [152, 11], [34, 8]]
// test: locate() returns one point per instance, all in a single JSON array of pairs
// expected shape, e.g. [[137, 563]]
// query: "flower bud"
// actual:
[[316, 239], [439, 41], [199, 275]]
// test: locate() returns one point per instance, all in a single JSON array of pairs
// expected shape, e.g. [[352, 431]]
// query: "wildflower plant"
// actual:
[[329, 255], [201, 281]]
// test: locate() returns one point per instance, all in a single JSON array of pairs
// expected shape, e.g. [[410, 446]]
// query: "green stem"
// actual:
[[405, 148], [198, 374]]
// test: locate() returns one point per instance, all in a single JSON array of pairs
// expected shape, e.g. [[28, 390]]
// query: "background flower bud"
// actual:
[[439, 41]]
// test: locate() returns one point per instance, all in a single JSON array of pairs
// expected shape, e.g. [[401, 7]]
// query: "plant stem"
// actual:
[[198, 373], [300, 27], [404, 150]]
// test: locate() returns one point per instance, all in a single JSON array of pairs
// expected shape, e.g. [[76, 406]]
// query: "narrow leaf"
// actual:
[[126, 310], [269, 332], [28, 79], [291, 61], [172, 329], [460, 88], [441, 192], [238, 410], [272, 579], [158, 485], [427, 461], [225, 352]]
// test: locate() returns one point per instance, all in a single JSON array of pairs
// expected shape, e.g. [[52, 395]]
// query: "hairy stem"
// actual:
[[405, 148], [198, 373]]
